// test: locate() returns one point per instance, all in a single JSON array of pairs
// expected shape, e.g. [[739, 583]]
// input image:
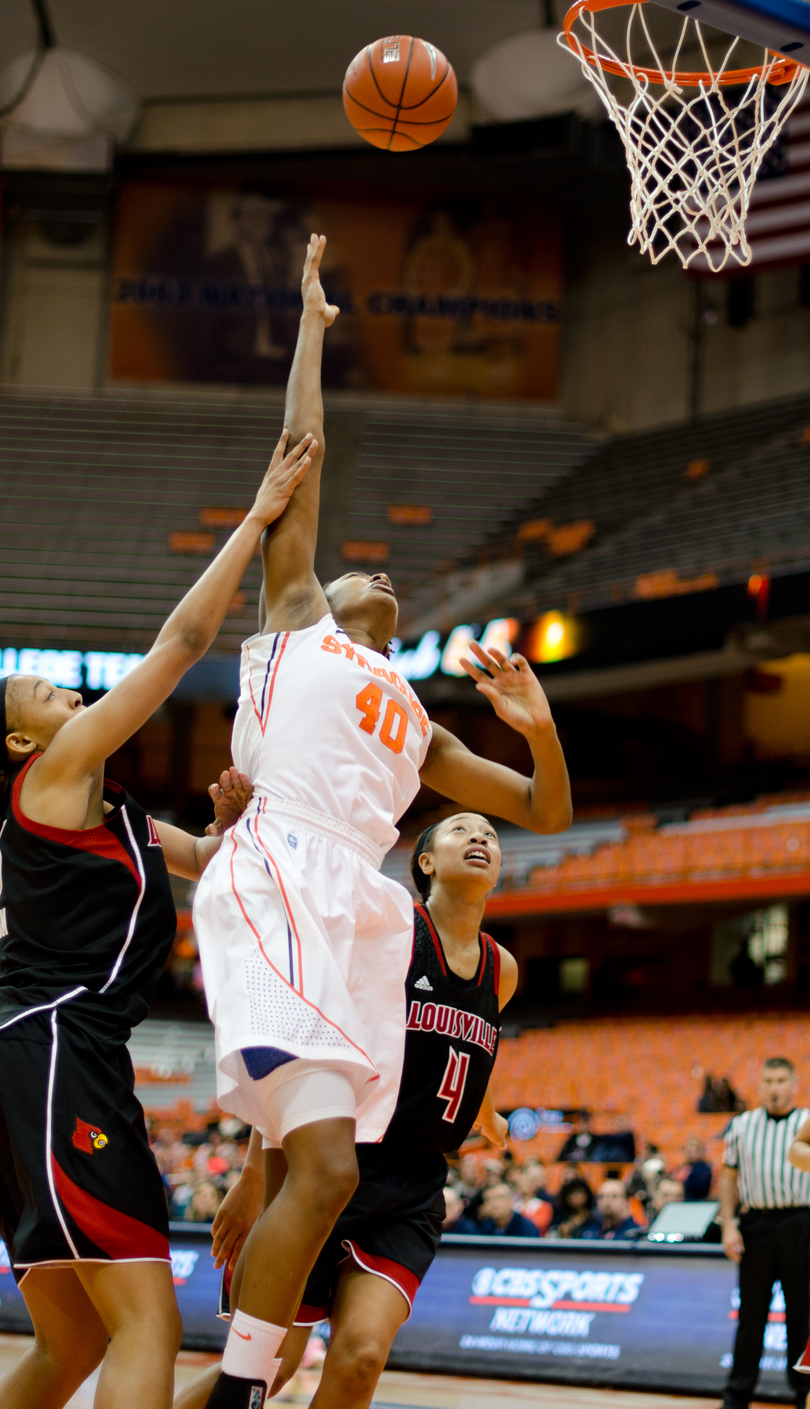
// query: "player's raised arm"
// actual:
[[73, 749], [292, 597], [541, 803]]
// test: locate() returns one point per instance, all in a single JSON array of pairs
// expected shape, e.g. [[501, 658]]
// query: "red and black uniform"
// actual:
[[393, 1224], [87, 920]]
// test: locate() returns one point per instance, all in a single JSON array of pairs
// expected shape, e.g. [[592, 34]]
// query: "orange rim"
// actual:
[[782, 71]]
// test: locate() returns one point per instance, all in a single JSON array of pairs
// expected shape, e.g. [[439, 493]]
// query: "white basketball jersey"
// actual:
[[329, 724]]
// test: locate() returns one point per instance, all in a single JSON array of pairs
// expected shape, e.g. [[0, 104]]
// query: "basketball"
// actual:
[[400, 93]]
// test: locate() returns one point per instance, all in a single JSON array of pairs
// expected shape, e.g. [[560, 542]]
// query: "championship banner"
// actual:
[[437, 298]]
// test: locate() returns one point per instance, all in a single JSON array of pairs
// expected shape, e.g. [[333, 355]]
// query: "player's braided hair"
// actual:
[[420, 880]]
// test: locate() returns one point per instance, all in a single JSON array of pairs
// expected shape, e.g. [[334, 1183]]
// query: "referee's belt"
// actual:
[[786, 1208]]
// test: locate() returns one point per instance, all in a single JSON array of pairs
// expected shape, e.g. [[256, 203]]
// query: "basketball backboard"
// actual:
[[782, 26]]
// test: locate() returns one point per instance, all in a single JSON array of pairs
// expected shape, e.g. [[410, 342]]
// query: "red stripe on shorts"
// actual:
[[406, 1282], [119, 1235]]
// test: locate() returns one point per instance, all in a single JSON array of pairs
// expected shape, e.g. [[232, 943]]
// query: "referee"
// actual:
[[771, 1240]]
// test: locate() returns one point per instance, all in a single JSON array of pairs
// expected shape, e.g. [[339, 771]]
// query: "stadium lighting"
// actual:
[[552, 637]]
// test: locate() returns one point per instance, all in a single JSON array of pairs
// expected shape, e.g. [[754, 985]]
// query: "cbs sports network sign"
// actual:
[[590, 1313]]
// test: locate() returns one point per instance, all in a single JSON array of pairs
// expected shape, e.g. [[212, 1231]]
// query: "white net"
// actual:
[[695, 141]]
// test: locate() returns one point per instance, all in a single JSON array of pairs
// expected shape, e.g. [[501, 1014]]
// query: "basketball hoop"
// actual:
[[693, 156]]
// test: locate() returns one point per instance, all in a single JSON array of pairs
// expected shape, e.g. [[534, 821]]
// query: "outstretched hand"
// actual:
[[230, 797], [235, 1217], [494, 1126], [311, 290], [285, 471], [512, 687]]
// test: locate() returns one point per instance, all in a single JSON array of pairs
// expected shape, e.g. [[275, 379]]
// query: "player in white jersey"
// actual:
[[304, 945]]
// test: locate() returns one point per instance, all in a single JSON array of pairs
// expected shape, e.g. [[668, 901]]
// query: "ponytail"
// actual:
[[420, 879]]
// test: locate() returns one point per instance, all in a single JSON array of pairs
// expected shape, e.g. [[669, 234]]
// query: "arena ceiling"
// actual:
[[205, 48]]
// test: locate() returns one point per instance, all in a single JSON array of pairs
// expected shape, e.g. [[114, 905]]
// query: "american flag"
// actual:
[[778, 222]]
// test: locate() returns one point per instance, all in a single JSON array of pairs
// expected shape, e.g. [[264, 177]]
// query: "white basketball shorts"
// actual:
[[304, 949]]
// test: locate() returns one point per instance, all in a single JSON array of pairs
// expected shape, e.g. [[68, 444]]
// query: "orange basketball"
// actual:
[[399, 93]]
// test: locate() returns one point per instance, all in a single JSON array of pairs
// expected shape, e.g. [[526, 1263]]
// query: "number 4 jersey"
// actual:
[[451, 1041]]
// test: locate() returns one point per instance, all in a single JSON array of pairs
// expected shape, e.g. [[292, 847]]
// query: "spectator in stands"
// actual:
[[491, 1172], [579, 1142], [727, 1096], [669, 1191], [615, 1217], [528, 1181], [719, 1096], [500, 1217], [468, 1173], [575, 1215], [696, 1173], [647, 1172], [455, 1219], [204, 1202]]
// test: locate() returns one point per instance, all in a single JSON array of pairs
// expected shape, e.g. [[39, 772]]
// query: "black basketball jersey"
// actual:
[[451, 1041], [87, 918]]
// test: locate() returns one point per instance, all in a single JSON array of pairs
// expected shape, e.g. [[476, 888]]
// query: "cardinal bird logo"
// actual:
[[88, 1137]]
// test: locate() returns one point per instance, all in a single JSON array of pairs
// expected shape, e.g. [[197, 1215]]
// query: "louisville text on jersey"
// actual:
[[452, 1022]]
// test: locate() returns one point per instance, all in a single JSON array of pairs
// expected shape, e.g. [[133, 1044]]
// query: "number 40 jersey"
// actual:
[[451, 1041], [330, 725]]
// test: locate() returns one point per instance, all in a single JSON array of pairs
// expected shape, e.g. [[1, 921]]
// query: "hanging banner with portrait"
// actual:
[[455, 297]]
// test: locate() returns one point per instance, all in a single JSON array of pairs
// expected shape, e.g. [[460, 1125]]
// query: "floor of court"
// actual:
[[398, 1390]]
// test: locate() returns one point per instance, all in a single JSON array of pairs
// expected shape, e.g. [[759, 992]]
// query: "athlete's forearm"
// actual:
[[487, 1110], [550, 806], [196, 620], [254, 1159], [304, 402], [728, 1194], [291, 595]]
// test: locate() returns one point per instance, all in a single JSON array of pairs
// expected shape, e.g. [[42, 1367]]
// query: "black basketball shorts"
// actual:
[[391, 1227], [78, 1181]]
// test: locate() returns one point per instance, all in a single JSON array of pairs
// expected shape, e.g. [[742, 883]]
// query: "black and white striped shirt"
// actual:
[[757, 1146]]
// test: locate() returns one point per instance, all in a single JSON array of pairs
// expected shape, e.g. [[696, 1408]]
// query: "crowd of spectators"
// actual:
[[502, 1196], [198, 1167], [484, 1194]]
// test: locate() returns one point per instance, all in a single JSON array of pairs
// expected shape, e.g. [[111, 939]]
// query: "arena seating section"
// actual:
[[107, 492], [766, 840], [706, 499], [646, 1075], [106, 498]]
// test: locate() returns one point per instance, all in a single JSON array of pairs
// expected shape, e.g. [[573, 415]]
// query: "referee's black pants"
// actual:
[[777, 1248]]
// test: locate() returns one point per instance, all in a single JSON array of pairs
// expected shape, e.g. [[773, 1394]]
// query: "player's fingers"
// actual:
[[298, 450], [503, 661], [281, 447], [317, 253], [297, 472], [298, 455], [214, 791], [472, 669], [235, 1251], [226, 781], [485, 657]]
